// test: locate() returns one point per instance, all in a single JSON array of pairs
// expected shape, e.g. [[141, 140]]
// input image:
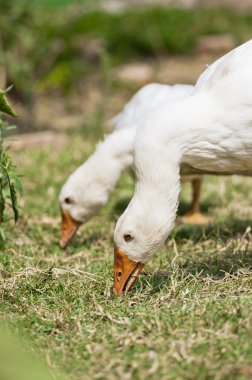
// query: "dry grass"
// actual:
[[188, 317], [189, 314]]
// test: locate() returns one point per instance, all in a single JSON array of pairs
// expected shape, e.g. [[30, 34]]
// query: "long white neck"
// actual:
[[151, 212], [158, 189], [111, 157], [159, 148], [117, 146]]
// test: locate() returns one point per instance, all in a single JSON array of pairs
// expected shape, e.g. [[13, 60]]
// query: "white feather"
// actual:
[[210, 130], [90, 185]]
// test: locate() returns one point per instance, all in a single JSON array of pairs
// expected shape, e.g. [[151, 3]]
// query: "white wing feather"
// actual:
[[145, 100]]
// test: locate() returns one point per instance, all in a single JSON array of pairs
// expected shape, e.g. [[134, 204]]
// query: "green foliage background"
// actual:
[[10, 182], [45, 48]]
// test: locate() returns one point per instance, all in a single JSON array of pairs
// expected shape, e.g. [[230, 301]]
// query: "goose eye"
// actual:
[[127, 238], [68, 200]]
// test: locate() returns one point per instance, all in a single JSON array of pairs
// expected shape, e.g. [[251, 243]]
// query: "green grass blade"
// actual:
[[5, 105]]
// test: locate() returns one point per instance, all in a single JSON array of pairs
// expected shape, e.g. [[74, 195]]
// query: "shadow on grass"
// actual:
[[119, 207], [215, 268], [86, 239], [219, 264], [184, 207], [214, 265], [221, 231]]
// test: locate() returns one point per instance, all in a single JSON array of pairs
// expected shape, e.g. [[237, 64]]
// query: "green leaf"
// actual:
[[2, 203], [14, 201], [18, 182], [13, 194], [5, 105]]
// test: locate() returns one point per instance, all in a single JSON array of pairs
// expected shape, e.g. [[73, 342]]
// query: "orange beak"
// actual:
[[68, 228], [126, 272]]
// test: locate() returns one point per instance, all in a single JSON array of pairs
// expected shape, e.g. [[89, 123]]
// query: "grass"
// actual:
[[188, 317]]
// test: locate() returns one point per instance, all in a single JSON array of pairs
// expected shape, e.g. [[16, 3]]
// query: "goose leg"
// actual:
[[194, 216]]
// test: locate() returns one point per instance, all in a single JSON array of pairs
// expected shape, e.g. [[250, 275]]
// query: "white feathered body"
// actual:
[[146, 100], [88, 188], [211, 128], [209, 131]]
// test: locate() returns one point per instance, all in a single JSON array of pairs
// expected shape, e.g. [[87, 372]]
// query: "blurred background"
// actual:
[[74, 63]]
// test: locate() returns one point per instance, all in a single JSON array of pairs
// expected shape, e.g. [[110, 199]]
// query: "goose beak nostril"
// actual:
[[126, 272]]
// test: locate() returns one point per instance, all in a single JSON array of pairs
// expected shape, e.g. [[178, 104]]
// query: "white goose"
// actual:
[[89, 187], [209, 130]]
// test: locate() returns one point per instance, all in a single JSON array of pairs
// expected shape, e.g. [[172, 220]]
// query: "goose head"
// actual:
[[137, 237], [89, 187], [80, 198]]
